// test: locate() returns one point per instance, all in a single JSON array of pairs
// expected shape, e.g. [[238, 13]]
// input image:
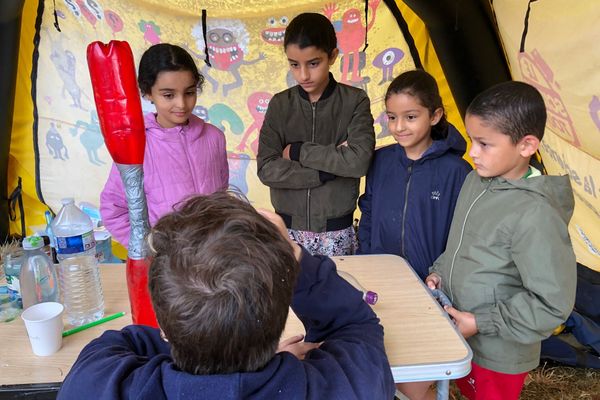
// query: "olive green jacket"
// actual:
[[323, 183], [510, 262]]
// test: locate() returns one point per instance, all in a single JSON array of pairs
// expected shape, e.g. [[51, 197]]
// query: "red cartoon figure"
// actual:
[[89, 16], [275, 31], [151, 31], [351, 35], [227, 43], [258, 102]]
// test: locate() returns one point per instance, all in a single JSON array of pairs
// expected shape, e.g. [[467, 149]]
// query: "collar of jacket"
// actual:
[[326, 93], [194, 127]]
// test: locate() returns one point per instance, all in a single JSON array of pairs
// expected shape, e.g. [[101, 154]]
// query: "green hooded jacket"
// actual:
[[510, 262]]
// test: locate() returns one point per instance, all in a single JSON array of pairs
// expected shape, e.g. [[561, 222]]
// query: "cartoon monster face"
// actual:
[[388, 58], [351, 19], [258, 102], [223, 48], [276, 30]]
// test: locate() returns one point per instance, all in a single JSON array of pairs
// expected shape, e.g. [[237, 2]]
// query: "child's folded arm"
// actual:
[[276, 171], [350, 159], [542, 252]]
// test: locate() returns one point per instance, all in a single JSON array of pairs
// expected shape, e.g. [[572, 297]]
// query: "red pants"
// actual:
[[485, 384]]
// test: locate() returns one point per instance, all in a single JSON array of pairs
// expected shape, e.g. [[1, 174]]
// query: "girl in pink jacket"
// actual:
[[183, 156]]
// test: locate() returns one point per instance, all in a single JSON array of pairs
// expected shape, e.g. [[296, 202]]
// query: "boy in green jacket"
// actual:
[[509, 267]]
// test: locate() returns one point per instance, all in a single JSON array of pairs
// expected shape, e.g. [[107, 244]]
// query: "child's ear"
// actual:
[[528, 145], [333, 56], [437, 115]]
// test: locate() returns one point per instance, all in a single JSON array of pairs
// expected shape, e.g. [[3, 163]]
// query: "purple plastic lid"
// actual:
[[370, 297]]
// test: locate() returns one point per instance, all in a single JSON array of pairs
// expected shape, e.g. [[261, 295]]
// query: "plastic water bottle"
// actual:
[[38, 276], [78, 274], [12, 269]]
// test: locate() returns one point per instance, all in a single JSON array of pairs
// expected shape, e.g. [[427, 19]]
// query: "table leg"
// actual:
[[443, 389]]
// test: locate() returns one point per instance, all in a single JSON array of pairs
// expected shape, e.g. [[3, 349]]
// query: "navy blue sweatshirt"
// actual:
[[351, 363], [408, 204]]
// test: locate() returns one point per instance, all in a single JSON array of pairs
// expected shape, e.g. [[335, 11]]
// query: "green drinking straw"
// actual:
[[93, 323]]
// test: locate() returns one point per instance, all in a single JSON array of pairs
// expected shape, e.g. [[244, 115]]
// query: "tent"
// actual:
[[50, 137]]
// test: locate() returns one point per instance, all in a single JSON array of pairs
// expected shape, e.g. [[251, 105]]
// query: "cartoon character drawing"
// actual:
[[65, 63], [258, 102], [91, 137], [351, 36], [276, 30], [87, 13], [228, 42], [538, 73], [55, 145], [201, 112], [151, 31], [238, 164], [362, 61], [386, 61], [219, 113], [382, 120], [594, 108], [114, 21]]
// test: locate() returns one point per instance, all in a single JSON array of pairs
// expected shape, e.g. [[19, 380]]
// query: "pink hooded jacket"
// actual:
[[178, 162]]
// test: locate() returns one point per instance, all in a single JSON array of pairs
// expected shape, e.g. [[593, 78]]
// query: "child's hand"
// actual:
[[464, 321], [286, 152], [296, 346], [433, 281], [280, 225]]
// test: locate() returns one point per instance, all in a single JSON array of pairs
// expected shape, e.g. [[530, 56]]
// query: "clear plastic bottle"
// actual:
[[12, 269], [38, 276], [78, 274]]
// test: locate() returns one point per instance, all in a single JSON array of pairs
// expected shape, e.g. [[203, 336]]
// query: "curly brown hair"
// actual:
[[221, 283]]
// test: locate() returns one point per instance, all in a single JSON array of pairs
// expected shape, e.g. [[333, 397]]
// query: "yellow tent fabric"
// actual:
[[71, 157], [558, 54]]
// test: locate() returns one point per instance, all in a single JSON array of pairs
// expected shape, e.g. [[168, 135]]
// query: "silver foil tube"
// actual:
[[133, 182]]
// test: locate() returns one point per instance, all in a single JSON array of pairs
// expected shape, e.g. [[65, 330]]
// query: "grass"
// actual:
[[555, 382]]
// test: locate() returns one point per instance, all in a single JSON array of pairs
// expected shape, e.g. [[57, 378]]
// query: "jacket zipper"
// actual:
[[183, 139], [402, 245], [312, 139], [462, 232]]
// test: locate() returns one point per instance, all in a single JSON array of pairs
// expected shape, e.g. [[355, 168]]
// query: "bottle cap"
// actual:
[[33, 242], [370, 297]]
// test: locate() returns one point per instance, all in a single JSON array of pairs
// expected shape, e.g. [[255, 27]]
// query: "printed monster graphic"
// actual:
[[258, 102], [594, 108], [220, 113], [351, 35], [90, 10], [276, 30], [228, 42], [382, 120], [66, 65], [538, 73], [151, 32], [91, 137], [386, 60], [114, 21], [362, 61], [55, 145], [238, 164]]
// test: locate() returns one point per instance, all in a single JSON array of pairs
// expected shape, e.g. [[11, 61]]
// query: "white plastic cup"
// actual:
[[44, 325]]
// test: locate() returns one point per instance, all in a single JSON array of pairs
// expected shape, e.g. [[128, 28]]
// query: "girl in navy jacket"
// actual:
[[412, 186]]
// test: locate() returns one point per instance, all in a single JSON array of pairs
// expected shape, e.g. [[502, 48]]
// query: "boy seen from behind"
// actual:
[[508, 268], [222, 280]]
